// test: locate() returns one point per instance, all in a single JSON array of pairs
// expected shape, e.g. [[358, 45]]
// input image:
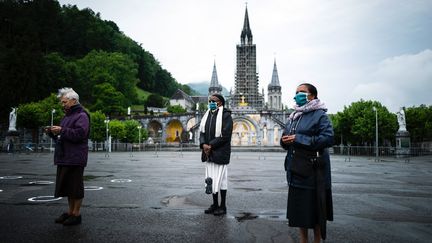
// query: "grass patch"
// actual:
[[142, 95]]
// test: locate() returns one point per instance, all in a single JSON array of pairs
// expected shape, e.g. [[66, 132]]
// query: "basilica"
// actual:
[[255, 122]]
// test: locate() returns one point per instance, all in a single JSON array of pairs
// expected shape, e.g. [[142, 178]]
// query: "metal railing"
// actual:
[[349, 151], [382, 151]]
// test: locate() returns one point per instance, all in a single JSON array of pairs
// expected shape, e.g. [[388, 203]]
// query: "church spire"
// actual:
[[275, 91], [275, 77], [214, 83], [246, 34]]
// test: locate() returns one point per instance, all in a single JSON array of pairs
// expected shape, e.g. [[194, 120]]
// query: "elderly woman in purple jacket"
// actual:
[[306, 137], [70, 155]]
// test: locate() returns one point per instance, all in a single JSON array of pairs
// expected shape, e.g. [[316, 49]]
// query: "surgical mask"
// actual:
[[301, 98], [212, 106]]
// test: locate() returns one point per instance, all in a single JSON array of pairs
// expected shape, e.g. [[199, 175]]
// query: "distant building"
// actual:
[[254, 122], [182, 99]]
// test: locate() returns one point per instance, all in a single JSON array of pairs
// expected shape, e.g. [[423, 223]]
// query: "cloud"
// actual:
[[398, 81]]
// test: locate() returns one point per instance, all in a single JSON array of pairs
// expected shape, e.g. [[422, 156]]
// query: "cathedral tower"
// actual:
[[215, 87], [246, 78], [274, 91]]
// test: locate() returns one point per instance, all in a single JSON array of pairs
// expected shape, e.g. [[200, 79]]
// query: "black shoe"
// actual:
[[62, 218], [211, 209], [72, 220], [209, 183], [220, 211]]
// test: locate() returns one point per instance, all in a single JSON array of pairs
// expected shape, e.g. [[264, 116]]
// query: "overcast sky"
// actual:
[[349, 49]]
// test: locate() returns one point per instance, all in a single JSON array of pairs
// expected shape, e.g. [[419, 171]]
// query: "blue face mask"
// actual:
[[301, 98], [212, 106]]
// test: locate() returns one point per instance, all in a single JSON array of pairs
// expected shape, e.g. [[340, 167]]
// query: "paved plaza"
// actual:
[[159, 197]]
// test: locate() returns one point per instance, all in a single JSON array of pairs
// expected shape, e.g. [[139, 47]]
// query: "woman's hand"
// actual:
[[56, 130], [207, 149], [288, 139]]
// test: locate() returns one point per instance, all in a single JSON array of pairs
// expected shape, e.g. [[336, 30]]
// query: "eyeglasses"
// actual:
[[213, 101]]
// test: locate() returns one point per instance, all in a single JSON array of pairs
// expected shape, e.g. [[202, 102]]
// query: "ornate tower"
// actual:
[[246, 78], [215, 87], [274, 91]]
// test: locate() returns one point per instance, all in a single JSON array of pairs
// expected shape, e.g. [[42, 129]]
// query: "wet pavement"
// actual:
[[149, 197]]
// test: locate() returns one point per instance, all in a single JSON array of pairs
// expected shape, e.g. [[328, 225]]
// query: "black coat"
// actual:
[[221, 146]]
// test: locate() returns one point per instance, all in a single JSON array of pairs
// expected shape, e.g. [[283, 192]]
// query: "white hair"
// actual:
[[68, 93]]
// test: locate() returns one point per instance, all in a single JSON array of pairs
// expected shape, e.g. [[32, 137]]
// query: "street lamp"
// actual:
[[139, 137], [376, 132], [107, 129], [52, 121]]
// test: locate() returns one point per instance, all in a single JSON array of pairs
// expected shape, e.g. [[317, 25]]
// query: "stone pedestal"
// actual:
[[403, 144], [11, 142]]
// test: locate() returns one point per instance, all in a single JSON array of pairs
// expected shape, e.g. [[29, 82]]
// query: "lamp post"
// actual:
[[107, 129], [52, 121], [139, 137], [376, 132]]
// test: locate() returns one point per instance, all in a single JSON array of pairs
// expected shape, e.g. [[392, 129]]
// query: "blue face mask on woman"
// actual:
[[301, 98], [212, 106]]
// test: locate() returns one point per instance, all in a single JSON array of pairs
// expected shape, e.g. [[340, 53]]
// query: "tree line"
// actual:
[[35, 115], [355, 125], [45, 46]]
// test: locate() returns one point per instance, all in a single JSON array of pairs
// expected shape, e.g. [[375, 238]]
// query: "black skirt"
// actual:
[[69, 182], [302, 207]]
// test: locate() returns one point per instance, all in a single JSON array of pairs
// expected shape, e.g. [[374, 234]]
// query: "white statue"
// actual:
[[401, 119], [12, 119]]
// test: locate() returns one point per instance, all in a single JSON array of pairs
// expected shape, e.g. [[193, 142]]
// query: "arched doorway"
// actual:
[[154, 130], [189, 125], [244, 133], [174, 131]]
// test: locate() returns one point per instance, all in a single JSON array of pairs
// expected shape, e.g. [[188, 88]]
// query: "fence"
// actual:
[[135, 147], [382, 151]]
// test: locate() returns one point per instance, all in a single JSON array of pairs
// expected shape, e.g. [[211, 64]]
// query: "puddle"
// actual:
[[176, 201], [248, 189], [89, 177], [245, 216], [272, 215]]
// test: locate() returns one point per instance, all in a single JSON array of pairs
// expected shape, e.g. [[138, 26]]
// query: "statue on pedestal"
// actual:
[[401, 119], [12, 119], [403, 141]]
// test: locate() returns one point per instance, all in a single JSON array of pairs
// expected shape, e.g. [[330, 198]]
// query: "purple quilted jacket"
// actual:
[[72, 145]]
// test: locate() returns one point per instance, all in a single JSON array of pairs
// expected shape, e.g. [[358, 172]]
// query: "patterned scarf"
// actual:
[[312, 105]]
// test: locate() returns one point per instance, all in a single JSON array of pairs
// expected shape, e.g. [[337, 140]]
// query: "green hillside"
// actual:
[[45, 46]]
